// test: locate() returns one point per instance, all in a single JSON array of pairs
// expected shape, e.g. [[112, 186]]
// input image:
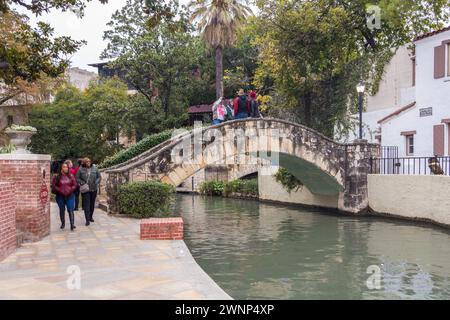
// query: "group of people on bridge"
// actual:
[[69, 183], [242, 107]]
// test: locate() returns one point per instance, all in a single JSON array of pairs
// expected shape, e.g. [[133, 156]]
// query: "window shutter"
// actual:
[[438, 134], [439, 62]]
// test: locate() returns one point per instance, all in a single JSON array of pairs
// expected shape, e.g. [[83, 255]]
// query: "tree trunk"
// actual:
[[219, 72], [307, 109]]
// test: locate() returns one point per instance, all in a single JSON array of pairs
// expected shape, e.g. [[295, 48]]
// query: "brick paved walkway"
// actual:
[[114, 264]]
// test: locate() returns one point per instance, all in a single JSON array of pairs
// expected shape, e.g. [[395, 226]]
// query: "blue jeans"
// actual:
[[242, 115], [64, 203], [217, 121]]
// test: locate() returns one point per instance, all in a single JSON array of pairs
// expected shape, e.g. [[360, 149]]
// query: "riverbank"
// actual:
[[114, 264]]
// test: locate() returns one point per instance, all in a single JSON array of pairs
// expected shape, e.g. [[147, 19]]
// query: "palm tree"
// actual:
[[219, 21]]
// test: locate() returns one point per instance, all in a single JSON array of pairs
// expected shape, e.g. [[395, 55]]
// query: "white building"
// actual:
[[421, 129], [80, 78], [411, 111]]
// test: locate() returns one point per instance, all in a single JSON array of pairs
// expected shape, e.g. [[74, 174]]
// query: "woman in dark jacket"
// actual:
[[88, 175], [64, 185]]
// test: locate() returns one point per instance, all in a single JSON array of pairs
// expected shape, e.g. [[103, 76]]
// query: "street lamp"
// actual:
[[360, 88]]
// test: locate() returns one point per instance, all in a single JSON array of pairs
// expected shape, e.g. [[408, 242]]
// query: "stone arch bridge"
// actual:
[[324, 166]]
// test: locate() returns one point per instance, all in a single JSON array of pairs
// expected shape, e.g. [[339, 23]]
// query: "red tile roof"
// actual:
[[397, 112], [201, 108], [204, 108], [432, 33]]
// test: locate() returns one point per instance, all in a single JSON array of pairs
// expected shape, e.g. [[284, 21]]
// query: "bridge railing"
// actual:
[[437, 165]]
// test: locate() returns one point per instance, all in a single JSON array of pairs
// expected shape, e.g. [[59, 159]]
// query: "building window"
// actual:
[[413, 71], [410, 145], [10, 121]]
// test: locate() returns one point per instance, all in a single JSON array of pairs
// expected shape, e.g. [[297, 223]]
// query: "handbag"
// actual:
[[85, 187]]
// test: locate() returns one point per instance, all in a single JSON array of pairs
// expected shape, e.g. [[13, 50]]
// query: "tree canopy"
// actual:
[[313, 53], [79, 123]]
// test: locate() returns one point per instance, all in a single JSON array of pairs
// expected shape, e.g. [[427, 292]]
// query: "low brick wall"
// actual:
[[8, 237], [26, 173], [162, 229]]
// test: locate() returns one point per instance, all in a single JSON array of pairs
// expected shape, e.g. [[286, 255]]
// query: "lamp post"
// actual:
[[360, 88]]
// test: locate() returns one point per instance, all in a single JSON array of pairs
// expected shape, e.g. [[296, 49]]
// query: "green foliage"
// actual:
[[39, 7], [8, 149], [158, 61], [145, 199], [148, 118], [288, 180], [212, 188], [80, 124], [241, 187], [226, 189], [29, 54], [135, 150], [313, 53], [110, 105]]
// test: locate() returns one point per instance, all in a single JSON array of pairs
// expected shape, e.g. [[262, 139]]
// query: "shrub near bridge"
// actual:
[[226, 189], [212, 188], [145, 144], [146, 199]]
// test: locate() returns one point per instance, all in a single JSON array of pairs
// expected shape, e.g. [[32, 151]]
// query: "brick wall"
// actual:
[[8, 240], [162, 229], [26, 172]]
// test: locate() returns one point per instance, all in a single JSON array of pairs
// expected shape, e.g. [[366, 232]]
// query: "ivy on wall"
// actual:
[[287, 180]]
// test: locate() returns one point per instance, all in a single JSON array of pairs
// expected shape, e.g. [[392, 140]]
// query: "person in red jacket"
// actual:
[[241, 106], [64, 185]]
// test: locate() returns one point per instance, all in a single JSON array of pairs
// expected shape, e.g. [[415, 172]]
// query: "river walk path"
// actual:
[[114, 264]]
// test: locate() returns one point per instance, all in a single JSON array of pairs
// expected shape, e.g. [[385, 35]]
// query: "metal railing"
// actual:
[[411, 165], [389, 152]]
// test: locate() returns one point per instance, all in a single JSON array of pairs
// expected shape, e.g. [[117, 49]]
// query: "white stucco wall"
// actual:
[[431, 92], [396, 86], [411, 196], [270, 189]]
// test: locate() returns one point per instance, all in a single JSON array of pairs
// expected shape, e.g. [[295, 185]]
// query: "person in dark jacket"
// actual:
[[64, 185], [74, 171], [241, 106], [88, 175], [254, 106]]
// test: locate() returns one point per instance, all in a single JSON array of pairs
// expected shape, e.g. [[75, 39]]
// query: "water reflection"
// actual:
[[265, 251]]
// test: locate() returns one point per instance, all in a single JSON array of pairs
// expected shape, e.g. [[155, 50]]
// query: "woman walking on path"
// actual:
[[74, 171], [89, 179], [64, 185]]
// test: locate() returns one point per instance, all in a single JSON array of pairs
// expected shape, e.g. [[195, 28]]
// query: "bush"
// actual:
[[242, 187], [220, 188], [212, 188], [145, 199], [145, 144]]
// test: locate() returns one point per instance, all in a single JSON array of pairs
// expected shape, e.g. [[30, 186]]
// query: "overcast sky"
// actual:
[[89, 28]]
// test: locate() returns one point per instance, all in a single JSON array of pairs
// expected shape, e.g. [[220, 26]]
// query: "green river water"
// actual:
[[257, 250]]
